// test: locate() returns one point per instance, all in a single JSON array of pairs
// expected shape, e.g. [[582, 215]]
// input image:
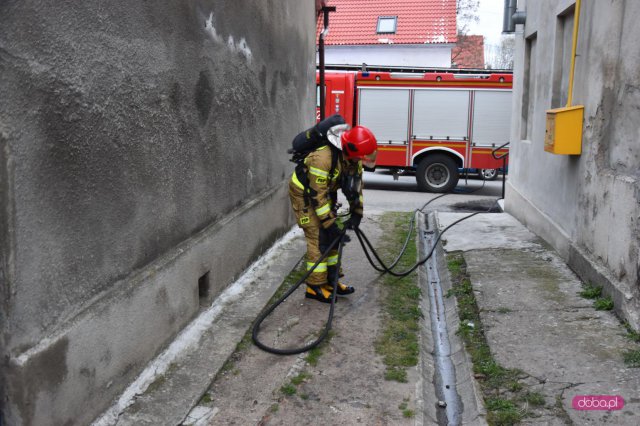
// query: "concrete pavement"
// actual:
[[533, 318], [535, 321]]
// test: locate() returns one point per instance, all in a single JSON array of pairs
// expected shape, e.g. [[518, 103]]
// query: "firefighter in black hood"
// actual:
[[333, 158]]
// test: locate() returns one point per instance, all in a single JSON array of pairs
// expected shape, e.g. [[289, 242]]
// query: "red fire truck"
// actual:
[[434, 122]]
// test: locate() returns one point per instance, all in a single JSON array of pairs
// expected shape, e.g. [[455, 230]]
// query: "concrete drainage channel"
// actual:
[[450, 394]]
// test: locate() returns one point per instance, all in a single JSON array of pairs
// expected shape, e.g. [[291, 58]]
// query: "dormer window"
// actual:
[[387, 24]]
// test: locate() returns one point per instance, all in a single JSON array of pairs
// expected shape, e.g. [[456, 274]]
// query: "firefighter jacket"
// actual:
[[314, 183]]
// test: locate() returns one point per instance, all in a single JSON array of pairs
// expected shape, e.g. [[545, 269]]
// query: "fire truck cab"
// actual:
[[432, 122]]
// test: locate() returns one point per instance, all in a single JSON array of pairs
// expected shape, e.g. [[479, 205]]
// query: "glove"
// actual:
[[335, 229], [328, 235], [354, 221]]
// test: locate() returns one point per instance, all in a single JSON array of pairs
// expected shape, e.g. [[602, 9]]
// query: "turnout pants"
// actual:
[[313, 234]]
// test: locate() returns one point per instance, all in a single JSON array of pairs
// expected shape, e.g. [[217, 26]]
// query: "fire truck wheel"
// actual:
[[489, 174], [437, 173]]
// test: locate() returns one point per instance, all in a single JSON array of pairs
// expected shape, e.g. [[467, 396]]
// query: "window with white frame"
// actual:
[[387, 24]]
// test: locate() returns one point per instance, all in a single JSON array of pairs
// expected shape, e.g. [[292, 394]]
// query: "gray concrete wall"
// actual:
[[142, 145], [587, 206]]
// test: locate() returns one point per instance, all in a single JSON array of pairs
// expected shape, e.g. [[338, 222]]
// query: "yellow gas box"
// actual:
[[564, 130]]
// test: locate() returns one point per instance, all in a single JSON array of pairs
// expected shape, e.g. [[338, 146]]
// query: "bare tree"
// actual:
[[501, 56], [466, 14]]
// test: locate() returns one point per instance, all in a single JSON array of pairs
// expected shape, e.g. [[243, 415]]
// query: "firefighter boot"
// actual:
[[321, 293], [342, 289]]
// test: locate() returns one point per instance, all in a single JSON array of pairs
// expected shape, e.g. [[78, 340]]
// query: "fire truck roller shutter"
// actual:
[[441, 114], [386, 113], [437, 172], [491, 117]]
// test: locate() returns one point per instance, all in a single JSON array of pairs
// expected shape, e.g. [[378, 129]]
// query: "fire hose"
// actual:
[[366, 246]]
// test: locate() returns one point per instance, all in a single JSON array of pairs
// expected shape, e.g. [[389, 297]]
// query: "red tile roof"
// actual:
[[468, 52], [419, 21]]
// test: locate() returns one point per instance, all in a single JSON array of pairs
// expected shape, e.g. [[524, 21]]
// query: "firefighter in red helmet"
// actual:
[[334, 162]]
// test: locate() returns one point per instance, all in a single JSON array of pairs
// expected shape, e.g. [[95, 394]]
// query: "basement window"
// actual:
[[387, 24], [203, 287]]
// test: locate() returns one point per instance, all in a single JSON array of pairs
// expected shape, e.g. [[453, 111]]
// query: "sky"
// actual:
[[490, 24]]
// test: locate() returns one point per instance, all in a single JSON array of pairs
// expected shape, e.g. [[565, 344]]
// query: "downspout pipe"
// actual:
[[519, 18], [512, 16], [325, 10], [507, 21]]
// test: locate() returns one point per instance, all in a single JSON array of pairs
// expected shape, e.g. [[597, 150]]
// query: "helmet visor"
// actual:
[[369, 160]]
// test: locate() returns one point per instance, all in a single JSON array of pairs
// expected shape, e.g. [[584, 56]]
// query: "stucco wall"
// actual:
[[587, 206], [405, 55], [133, 137]]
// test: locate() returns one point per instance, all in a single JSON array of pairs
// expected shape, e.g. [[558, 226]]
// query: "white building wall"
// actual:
[[419, 55], [586, 206]]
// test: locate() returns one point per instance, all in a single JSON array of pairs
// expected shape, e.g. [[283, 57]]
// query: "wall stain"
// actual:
[[162, 298], [274, 90], [263, 85], [203, 96], [43, 373]]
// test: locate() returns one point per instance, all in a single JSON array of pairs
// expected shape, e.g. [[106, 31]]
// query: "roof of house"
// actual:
[[355, 22], [468, 52]]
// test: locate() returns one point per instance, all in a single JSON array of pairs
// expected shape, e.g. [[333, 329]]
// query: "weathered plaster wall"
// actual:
[[141, 145], [587, 206]]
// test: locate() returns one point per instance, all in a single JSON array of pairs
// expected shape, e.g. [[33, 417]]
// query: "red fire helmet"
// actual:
[[358, 143]]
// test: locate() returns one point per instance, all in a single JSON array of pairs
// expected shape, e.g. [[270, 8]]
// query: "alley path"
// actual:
[[343, 385], [547, 345]]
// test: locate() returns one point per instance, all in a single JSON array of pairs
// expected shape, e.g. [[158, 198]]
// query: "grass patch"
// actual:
[[514, 386], [603, 304], [229, 365], [631, 333], [274, 408], [288, 389], [398, 342], [632, 358], [296, 381], [503, 412], [504, 417], [591, 292], [409, 414], [313, 356], [455, 265], [406, 412], [291, 388], [293, 277], [206, 399], [534, 398], [396, 374], [499, 404]]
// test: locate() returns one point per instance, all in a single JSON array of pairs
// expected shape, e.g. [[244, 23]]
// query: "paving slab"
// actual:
[[535, 321]]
